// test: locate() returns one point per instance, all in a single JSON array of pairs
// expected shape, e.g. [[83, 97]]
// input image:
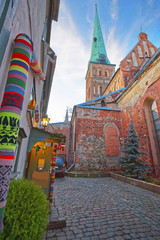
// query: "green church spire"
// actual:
[[98, 53]]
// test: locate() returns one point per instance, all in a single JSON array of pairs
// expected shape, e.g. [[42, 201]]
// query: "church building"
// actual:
[[113, 99]]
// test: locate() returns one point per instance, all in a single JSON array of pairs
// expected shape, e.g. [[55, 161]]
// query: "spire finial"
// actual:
[[141, 28], [98, 52]]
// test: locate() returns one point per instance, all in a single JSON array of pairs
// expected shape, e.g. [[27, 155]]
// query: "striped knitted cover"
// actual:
[[10, 111], [36, 68]]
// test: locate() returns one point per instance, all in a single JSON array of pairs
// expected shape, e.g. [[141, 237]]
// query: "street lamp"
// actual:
[[45, 121]]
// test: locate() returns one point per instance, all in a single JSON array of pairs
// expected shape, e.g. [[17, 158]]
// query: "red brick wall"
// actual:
[[90, 139], [137, 114], [127, 66]]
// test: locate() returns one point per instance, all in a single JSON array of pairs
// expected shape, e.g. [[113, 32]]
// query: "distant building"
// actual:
[[62, 128], [112, 100]]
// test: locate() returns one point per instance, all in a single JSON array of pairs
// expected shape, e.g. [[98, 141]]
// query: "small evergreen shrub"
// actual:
[[130, 156], [26, 212]]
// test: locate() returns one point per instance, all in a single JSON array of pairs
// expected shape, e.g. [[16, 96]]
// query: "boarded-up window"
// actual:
[[94, 90], [134, 59], [152, 50], [139, 51], [145, 48], [111, 141]]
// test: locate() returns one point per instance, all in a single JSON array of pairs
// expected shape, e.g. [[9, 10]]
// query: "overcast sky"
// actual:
[[71, 39]]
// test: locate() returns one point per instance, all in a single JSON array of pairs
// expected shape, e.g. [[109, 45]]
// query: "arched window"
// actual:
[[89, 93], [112, 140], [145, 48], [106, 73], [153, 125], [156, 120], [94, 90], [152, 50], [99, 72], [134, 59], [139, 51], [94, 71], [100, 90]]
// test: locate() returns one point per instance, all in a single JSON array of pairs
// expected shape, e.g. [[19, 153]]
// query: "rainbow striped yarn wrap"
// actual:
[[52, 176], [11, 108], [36, 67]]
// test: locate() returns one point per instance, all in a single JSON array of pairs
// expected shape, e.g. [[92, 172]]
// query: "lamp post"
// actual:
[[45, 121]]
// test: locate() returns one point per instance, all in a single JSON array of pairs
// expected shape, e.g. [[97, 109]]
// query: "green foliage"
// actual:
[[26, 212], [131, 163], [60, 135]]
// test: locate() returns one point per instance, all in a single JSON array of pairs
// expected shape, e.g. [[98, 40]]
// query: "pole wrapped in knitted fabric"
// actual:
[[36, 67], [10, 112]]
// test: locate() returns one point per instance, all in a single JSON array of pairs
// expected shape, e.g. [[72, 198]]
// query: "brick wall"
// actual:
[[135, 105], [90, 139]]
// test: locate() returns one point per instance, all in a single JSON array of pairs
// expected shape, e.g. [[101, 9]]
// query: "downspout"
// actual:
[[23, 57], [74, 143], [68, 144], [72, 163]]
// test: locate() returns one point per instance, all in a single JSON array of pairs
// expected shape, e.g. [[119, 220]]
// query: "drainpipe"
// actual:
[[10, 111], [68, 144], [74, 143], [72, 163]]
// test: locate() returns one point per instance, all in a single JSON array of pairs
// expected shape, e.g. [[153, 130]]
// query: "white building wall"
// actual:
[[29, 18]]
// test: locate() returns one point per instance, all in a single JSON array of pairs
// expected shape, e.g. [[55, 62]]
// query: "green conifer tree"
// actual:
[[130, 158]]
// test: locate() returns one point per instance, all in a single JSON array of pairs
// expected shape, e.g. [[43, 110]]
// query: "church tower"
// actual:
[[100, 70]]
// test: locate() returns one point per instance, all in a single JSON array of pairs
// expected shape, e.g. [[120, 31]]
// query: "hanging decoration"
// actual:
[[44, 148], [37, 149], [62, 146], [52, 173], [32, 105], [37, 114], [11, 107], [36, 67]]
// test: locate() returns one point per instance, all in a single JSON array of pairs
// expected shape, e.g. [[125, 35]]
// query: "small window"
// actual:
[[99, 72], [152, 50], [94, 90], [145, 48], [134, 59], [89, 93], [106, 73], [140, 51], [100, 90]]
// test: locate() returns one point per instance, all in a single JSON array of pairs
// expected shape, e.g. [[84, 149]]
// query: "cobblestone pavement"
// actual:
[[104, 208]]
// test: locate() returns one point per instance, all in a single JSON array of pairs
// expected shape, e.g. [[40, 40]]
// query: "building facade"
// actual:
[[33, 19], [99, 125], [27, 66]]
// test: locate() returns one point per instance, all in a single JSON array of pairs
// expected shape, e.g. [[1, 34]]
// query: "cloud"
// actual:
[[115, 49], [114, 9], [68, 86], [150, 2]]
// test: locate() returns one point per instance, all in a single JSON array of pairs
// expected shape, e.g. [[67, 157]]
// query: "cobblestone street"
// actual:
[[104, 208]]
